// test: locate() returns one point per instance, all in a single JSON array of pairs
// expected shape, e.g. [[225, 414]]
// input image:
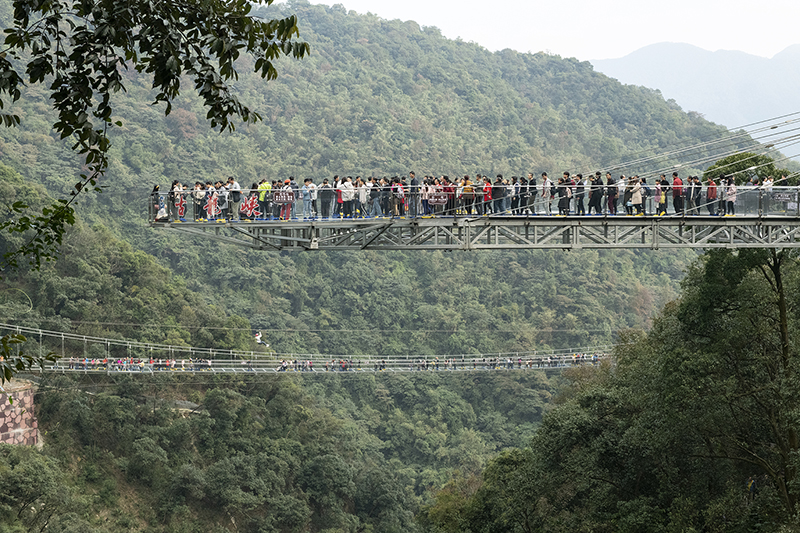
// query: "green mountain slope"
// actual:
[[385, 97], [349, 453]]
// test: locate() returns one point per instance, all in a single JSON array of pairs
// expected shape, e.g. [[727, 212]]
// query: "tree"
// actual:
[[81, 49], [744, 166], [14, 359], [738, 322]]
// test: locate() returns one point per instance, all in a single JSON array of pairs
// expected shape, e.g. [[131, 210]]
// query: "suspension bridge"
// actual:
[[96, 355]]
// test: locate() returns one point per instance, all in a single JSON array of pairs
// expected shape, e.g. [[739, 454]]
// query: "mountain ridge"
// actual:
[[728, 87]]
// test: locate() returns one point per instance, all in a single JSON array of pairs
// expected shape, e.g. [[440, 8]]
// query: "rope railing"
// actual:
[[355, 364], [156, 357]]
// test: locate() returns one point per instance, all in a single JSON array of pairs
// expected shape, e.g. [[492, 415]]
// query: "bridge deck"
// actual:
[[391, 367], [502, 232]]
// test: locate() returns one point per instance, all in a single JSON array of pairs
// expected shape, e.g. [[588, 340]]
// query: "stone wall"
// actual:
[[17, 423]]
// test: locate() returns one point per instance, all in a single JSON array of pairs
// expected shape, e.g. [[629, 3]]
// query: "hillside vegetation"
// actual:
[[337, 452]]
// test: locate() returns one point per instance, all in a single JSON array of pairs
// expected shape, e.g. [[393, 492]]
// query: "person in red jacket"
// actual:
[[487, 196], [677, 193], [711, 197]]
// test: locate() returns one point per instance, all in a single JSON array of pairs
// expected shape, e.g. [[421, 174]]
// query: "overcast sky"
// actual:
[[591, 29]]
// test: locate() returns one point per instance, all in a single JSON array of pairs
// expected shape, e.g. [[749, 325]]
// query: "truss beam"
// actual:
[[486, 233]]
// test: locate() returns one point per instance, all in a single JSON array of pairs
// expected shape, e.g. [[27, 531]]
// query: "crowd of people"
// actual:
[[347, 197], [131, 364]]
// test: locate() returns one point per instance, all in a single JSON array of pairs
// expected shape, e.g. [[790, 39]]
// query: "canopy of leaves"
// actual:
[[745, 166], [81, 50], [695, 429]]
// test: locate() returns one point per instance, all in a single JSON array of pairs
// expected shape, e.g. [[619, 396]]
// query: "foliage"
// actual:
[[35, 494], [14, 359], [81, 50], [745, 166], [671, 438], [340, 452]]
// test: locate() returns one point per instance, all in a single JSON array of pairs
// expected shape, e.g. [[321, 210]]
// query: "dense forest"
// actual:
[[371, 88], [338, 452], [693, 429], [349, 452]]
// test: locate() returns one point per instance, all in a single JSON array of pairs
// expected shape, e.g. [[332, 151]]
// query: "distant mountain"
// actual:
[[728, 87]]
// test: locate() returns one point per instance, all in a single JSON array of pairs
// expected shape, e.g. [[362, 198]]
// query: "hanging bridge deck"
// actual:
[[85, 354]]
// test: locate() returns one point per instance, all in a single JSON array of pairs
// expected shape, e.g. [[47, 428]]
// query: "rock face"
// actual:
[[17, 423]]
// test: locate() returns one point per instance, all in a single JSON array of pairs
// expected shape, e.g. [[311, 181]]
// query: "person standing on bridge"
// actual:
[[313, 188], [533, 192], [236, 198], [690, 194], [337, 204], [486, 205], [547, 194], [623, 192], [398, 197], [264, 189], [711, 197], [413, 195], [580, 191], [595, 191], [286, 209], [374, 194], [563, 195], [348, 197], [636, 196], [325, 192], [498, 194], [468, 195], [730, 197], [306, 192], [677, 194], [611, 194], [362, 196], [197, 200], [662, 203]]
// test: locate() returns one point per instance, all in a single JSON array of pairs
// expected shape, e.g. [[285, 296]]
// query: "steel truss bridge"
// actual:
[[502, 232], [766, 218], [84, 354]]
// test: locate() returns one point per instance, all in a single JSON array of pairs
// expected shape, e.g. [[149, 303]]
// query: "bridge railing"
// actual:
[[262, 206], [91, 354], [360, 365]]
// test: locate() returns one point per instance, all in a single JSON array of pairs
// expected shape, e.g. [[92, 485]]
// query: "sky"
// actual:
[[591, 29]]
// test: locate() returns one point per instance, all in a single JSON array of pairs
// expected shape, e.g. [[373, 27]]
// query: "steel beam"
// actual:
[[503, 232]]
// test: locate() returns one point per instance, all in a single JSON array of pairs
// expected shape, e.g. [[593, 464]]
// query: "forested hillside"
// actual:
[[694, 429], [375, 97], [382, 97], [337, 452]]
